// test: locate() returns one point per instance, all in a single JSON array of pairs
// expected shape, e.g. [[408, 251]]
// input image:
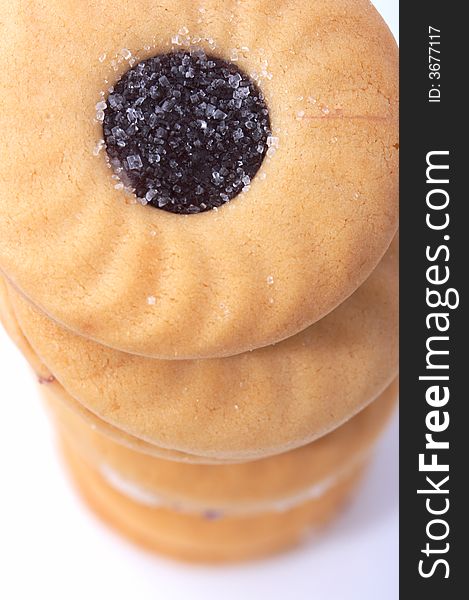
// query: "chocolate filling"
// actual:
[[187, 132]]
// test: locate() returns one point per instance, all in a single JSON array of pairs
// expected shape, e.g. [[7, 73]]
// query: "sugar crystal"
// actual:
[[272, 141], [134, 162], [187, 131], [99, 146]]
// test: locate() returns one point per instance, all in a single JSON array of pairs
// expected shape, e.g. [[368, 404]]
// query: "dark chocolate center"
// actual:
[[185, 131]]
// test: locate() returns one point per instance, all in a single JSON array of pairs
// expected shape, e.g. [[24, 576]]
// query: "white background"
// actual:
[[52, 547]]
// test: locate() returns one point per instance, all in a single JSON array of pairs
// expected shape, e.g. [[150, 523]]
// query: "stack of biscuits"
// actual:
[[218, 371]]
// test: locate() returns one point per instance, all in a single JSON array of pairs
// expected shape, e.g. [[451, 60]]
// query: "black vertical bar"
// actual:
[[434, 124]]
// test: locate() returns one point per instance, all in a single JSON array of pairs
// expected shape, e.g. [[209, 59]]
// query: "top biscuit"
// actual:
[[250, 248]]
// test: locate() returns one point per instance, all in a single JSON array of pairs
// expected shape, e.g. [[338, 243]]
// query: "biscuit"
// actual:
[[307, 230], [277, 482], [10, 324], [242, 407], [196, 538]]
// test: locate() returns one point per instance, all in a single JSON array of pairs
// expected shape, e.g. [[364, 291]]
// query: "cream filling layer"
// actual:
[[150, 498]]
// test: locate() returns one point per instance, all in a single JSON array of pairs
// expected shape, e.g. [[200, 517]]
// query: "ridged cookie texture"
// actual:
[[243, 407], [275, 483], [316, 220]]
